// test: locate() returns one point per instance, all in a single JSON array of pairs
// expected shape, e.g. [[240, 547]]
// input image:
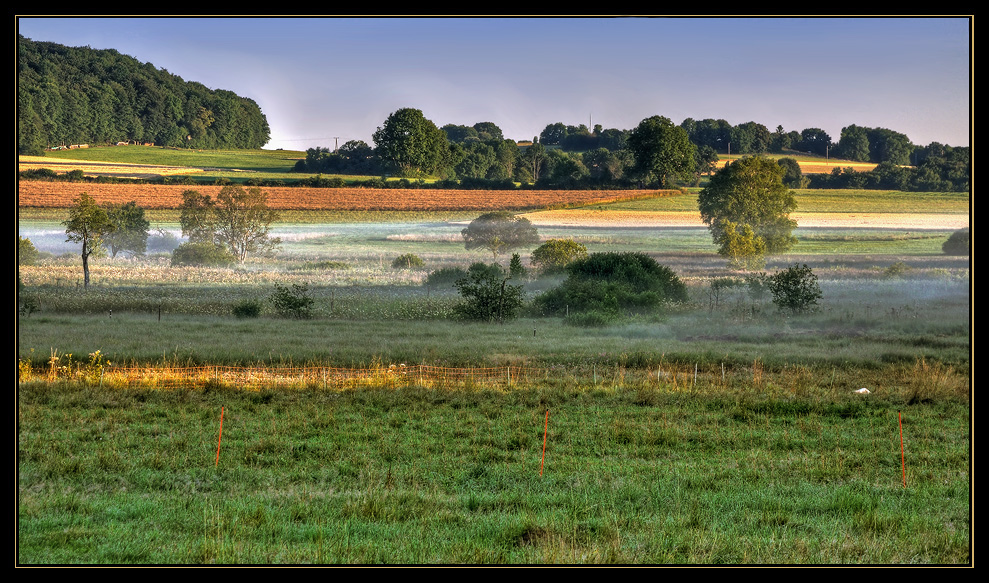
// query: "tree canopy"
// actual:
[[663, 152], [410, 144], [499, 231], [238, 219], [130, 229], [749, 192], [76, 95], [89, 224]]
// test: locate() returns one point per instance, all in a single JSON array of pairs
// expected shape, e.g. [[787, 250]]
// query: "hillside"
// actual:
[[78, 95]]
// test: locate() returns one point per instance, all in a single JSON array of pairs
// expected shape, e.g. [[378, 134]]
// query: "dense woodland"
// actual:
[[82, 95], [78, 95]]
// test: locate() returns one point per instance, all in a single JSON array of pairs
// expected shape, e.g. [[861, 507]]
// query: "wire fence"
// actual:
[[256, 378]]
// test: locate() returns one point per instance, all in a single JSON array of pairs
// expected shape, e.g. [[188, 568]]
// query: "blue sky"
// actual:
[[322, 81]]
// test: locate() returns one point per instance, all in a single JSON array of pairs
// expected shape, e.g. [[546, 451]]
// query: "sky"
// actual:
[[325, 81]]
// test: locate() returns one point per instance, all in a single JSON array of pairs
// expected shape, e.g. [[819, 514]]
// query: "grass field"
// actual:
[[715, 432]]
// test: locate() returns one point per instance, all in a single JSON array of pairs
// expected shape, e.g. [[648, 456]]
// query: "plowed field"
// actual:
[[41, 194]]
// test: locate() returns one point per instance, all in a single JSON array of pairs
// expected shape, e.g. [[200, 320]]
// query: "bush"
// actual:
[[445, 277], [897, 269], [795, 289], [247, 309], [295, 302], [408, 261], [613, 283], [201, 254], [592, 319], [487, 296], [958, 243]]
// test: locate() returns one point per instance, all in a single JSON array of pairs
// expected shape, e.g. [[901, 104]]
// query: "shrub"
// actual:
[[201, 254], [487, 296], [408, 261], [591, 319], [612, 283], [445, 277], [294, 302], [896, 270], [795, 289], [247, 309], [958, 243]]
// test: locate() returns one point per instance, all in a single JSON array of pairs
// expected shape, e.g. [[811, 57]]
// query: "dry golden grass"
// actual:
[[820, 167], [644, 219], [96, 168]]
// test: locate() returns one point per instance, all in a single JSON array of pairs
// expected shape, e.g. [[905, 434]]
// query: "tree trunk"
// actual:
[[85, 265]]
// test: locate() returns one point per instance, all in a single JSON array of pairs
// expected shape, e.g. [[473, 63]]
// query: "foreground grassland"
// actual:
[[632, 473]]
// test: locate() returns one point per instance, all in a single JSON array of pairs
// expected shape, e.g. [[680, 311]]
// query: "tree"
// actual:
[[243, 221], [793, 176], [554, 255], [196, 217], [410, 144], [534, 158], [130, 231], [488, 131], [238, 220], [749, 191], [487, 296], [663, 151], [27, 253], [739, 244], [89, 224], [499, 231]]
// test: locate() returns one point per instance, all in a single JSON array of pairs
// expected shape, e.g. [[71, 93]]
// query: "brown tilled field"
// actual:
[[42, 194]]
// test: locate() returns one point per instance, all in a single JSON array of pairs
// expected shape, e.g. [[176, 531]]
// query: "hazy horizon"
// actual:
[[325, 81]]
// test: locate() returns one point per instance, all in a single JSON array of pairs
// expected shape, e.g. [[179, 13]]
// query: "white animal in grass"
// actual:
[[863, 391]]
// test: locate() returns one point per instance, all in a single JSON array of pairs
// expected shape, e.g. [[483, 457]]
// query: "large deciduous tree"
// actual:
[[238, 220], [499, 231], [130, 231], [410, 144], [749, 193], [89, 224], [663, 151]]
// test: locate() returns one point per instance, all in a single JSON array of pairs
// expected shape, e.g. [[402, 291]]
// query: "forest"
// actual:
[[79, 95]]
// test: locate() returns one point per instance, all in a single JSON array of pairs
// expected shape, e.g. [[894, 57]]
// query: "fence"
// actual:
[[257, 378]]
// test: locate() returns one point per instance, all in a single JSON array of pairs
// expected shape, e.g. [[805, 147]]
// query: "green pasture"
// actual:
[[613, 472], [721, 431], [274, 161]]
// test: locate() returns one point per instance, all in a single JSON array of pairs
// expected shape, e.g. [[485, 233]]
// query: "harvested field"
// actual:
[[96, 168], [643, 219], [823, 166], [41, 194]]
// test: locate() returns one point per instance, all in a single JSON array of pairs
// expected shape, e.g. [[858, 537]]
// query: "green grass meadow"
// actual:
[[717, 432]]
